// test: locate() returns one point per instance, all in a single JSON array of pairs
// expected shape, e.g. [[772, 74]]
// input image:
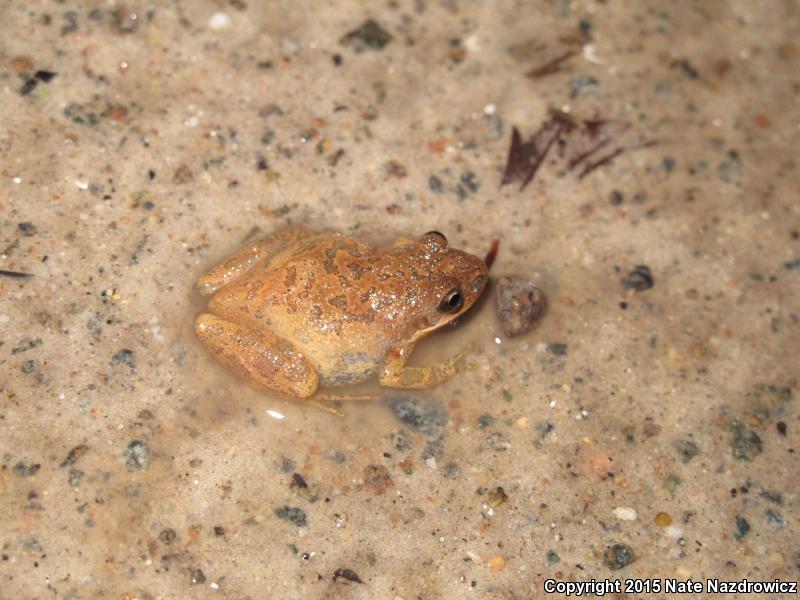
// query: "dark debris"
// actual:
[[370, 35], [347, 574]]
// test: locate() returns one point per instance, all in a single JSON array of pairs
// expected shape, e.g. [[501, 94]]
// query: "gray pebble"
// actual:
[[520, 304]]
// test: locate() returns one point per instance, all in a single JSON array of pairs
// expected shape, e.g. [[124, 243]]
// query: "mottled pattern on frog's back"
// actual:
[[344, 304], [308, 295]]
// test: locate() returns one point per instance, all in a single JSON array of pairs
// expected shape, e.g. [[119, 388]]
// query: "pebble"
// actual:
[[520, 304], [219, 20], [663, 519], [618, 556], [625, 513]]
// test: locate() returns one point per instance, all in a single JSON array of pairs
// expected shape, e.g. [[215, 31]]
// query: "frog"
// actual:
[[298, 309]]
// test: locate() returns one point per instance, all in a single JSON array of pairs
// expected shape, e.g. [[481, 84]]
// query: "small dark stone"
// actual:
[[427, 417], [485, 420], [23, 469], [298, 481], [267, 137], [543, 428], [520, 304], [781, 427], [368, 35], [337, 456], [292, 514], [287, 464], [639, 279], [579, 85], [337, 59], [137, 455], [688, 69], [435, 184], [27, 229], [168, 535], [196, 576], [348, 574], [44, 76], [400, 440], [74, 455], [688, 449], [774, 518], [618, 556], [746, 443], [28, 87], [26, 344], [219, 531], [552, 557], [451, 470], [469, 179], [74, 477], [124, 357], [742, 527], [772, 496], [616, 198], [557, 348]]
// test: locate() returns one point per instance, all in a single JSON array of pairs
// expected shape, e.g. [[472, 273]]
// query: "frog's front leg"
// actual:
[[261, 356], [247, 257], [394, 372]]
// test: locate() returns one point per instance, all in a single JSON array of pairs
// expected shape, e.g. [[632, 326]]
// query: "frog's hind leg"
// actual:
[[260, 356], [247, 257]]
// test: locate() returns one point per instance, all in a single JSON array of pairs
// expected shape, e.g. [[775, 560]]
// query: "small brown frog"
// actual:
[[297, 308]]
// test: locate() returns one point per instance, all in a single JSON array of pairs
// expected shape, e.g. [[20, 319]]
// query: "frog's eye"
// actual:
[[451, 301], [438, 234]]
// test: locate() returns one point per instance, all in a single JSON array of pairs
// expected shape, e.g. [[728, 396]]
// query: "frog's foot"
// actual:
[[261, 356], [244, 259], [395, 373]]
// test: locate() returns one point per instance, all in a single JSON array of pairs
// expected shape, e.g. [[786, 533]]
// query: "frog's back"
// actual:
[[310, 295]]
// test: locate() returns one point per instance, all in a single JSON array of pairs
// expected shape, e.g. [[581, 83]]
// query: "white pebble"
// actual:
[[625, 513], [219, 20], [674, 532]]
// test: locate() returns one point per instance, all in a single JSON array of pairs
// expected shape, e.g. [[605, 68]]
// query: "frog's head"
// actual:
[[453, 283]]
